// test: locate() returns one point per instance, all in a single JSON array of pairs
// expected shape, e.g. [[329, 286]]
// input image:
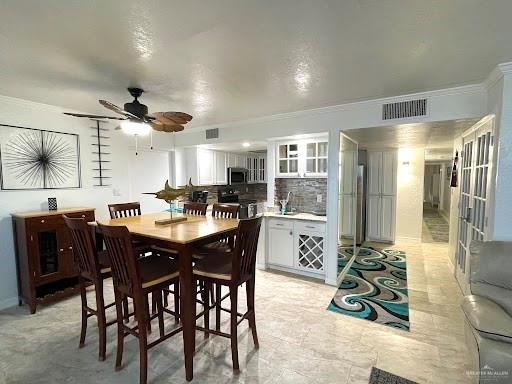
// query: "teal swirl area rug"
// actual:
[[374, 288]]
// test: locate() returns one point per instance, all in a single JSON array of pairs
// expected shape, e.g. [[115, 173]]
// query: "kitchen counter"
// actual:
[[298, 216]]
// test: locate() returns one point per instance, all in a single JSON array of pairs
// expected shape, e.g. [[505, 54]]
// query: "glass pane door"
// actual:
[[347, 204], [48, 252]]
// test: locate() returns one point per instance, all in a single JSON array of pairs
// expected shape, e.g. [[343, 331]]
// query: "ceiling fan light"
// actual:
[[135, 128]]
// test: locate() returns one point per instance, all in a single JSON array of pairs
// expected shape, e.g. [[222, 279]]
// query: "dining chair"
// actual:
[[226, 211], [136, 278], [133, 209], [124, 210], [198, 209], [232, 269], [93, 268]]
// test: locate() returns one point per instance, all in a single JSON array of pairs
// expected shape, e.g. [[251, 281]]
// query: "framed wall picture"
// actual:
[[38, 159]]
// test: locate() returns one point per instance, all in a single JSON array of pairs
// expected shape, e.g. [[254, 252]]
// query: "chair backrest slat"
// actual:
[[122, 257], [198, 209], [246, 244], [226, 211], [85, 256], [124, 210]]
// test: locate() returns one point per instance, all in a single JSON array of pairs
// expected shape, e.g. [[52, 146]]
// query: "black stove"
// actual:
[[248, 207]]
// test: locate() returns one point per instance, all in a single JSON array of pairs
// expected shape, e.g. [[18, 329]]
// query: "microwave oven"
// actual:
[[237, 175]]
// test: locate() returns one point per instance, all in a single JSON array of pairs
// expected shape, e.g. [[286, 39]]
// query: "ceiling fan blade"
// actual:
[[93, 116], [173, 128], [161, 127], [173, 117], [116, 109]]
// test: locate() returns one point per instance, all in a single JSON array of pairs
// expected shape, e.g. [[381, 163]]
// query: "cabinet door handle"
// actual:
[[279, 224], [310, 226]]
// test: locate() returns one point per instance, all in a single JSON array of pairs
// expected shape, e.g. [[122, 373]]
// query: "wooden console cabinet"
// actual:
[[44, 255]]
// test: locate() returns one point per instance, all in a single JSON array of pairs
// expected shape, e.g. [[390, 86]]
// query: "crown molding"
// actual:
[[459, 90], [497, 74], [37, 105]]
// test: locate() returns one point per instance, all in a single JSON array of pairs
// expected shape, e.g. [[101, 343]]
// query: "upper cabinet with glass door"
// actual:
[[316, 158], [288, 160], [302, 159]]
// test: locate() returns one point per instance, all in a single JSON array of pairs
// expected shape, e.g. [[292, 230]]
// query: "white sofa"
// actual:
[[488, 312]]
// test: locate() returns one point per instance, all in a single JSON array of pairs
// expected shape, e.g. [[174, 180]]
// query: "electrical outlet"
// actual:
[[318, 198], [116, 192]]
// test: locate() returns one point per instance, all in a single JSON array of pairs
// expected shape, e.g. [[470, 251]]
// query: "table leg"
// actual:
[[188, 309]]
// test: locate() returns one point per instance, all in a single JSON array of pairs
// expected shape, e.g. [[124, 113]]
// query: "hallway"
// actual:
[[436, 228]]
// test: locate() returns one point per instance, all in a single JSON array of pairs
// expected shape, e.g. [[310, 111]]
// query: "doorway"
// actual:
[[436, 201]]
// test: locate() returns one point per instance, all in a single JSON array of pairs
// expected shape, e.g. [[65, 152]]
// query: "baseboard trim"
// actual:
[[408, 239], [7, 303]]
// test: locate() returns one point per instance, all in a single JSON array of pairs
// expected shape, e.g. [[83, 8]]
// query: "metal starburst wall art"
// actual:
[[40, 159]]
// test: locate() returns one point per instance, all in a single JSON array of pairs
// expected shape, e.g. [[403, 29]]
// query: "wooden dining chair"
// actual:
[[93, 267], [136, 278], [133, 209], [232, 269], [124, 210], [198, 209], [226, 211]]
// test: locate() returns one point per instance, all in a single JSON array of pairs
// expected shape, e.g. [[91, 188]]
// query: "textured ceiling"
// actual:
[[229, 60], [438, 135]]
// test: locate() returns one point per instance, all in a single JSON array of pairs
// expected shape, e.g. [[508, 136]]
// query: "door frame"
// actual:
[[340, 276], [462, 277]]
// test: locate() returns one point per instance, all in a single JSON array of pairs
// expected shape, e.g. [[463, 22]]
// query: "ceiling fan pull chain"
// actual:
[[136, 146], [151, 138]]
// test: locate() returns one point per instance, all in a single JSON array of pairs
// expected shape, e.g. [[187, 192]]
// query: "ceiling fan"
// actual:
[[136, 120]]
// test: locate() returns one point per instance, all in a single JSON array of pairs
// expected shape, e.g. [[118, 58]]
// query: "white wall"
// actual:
[[500, 104], [34, 115], [409, 196], [447, 104]]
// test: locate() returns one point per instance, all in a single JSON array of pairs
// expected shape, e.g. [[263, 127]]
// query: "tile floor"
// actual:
[[301, 342]]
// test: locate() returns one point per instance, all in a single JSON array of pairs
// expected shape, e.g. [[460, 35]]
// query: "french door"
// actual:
[[475, 171]]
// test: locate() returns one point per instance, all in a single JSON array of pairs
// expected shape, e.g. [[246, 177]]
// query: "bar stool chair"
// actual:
[[222, 211], [136, 278], [232, 269], [133, 209], [93, 267]]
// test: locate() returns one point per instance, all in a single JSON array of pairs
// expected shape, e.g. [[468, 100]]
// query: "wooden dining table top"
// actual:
[[193, 229]]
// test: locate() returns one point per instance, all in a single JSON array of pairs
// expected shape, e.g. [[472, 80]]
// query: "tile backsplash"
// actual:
[[304, 190], [256, 192]]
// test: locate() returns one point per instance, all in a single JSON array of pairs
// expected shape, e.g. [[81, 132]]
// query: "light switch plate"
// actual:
[[318, 198], [116, 192]]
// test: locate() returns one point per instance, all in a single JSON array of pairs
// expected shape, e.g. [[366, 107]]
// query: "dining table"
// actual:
[[183, 237]]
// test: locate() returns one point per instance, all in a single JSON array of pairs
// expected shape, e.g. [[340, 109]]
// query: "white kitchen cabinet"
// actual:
[[302, 158], [296, 246], [232, 160], [211, 167], [256, 168], [221, 173], [280, 243], [205, 167], [381, 200]]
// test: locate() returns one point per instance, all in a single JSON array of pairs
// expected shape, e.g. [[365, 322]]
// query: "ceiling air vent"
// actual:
[[404, 109], [212, 133]]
